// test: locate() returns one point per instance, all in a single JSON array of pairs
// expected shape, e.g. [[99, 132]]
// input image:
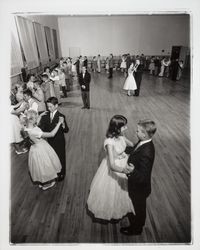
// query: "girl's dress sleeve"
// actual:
[[108, 141]]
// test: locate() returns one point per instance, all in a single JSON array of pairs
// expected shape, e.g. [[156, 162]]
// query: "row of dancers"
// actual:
[[35, 93], [156, 65], [166, 67]]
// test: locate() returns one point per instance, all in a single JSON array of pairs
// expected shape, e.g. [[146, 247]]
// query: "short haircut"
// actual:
[[149, 126], [46, 68], [32, 115], [45, 75], [28, 92], [53, 100], [115, 125], [29, 76]]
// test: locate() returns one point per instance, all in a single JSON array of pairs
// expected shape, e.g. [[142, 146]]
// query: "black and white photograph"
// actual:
[[99, 133]]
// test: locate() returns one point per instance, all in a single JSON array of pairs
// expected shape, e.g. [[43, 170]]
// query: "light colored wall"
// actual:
[[123, 34], [47, 20]]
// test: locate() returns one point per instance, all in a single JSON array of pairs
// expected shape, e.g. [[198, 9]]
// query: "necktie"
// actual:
[[51, 116]]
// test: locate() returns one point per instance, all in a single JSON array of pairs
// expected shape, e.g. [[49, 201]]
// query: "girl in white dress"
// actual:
[[163, 65], [108, 198], [16, 138], [31, 79], [47, 71], [43, 161], [19, 92], [99, 64], [152, 66], [130, 83], [56, 80], [123, 65], [107, 64]]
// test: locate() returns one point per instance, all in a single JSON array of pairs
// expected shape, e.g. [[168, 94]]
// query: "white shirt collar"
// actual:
[[143, 142], [52, 114]]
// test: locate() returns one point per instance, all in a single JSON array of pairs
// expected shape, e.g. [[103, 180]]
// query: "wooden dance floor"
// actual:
[[59, 215]]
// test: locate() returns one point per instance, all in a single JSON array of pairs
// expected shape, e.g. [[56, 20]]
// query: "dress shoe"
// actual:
[[130, 231], [45, 187], [60, 178]]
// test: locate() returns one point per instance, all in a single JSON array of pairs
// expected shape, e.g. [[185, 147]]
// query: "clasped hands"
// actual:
[[61, 119], [128, 169]]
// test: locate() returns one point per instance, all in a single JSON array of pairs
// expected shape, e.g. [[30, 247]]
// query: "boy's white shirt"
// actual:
[[142, 143], [53, 114]]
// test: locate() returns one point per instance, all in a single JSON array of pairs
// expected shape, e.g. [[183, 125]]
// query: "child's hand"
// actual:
[[131, 167], [61, 119], [43, 113], [125, 170], [128, 169]]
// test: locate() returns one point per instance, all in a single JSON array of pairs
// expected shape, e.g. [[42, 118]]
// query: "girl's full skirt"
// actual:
[[108, 198], [43, 162], [130, 83]]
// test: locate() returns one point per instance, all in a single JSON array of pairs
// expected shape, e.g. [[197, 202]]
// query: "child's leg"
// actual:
[[64, 91]]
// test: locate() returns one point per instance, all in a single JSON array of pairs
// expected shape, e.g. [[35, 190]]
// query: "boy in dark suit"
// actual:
[[111, 65], [139, 177], [138, 76], [47, 124], [84, 79]]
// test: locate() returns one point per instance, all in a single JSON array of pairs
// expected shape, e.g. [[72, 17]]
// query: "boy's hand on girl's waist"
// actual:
[[130, 168]]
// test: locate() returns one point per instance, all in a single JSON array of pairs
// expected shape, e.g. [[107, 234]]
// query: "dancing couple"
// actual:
[[122, 182], [47, 161], [134, 78], [130, 83]]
